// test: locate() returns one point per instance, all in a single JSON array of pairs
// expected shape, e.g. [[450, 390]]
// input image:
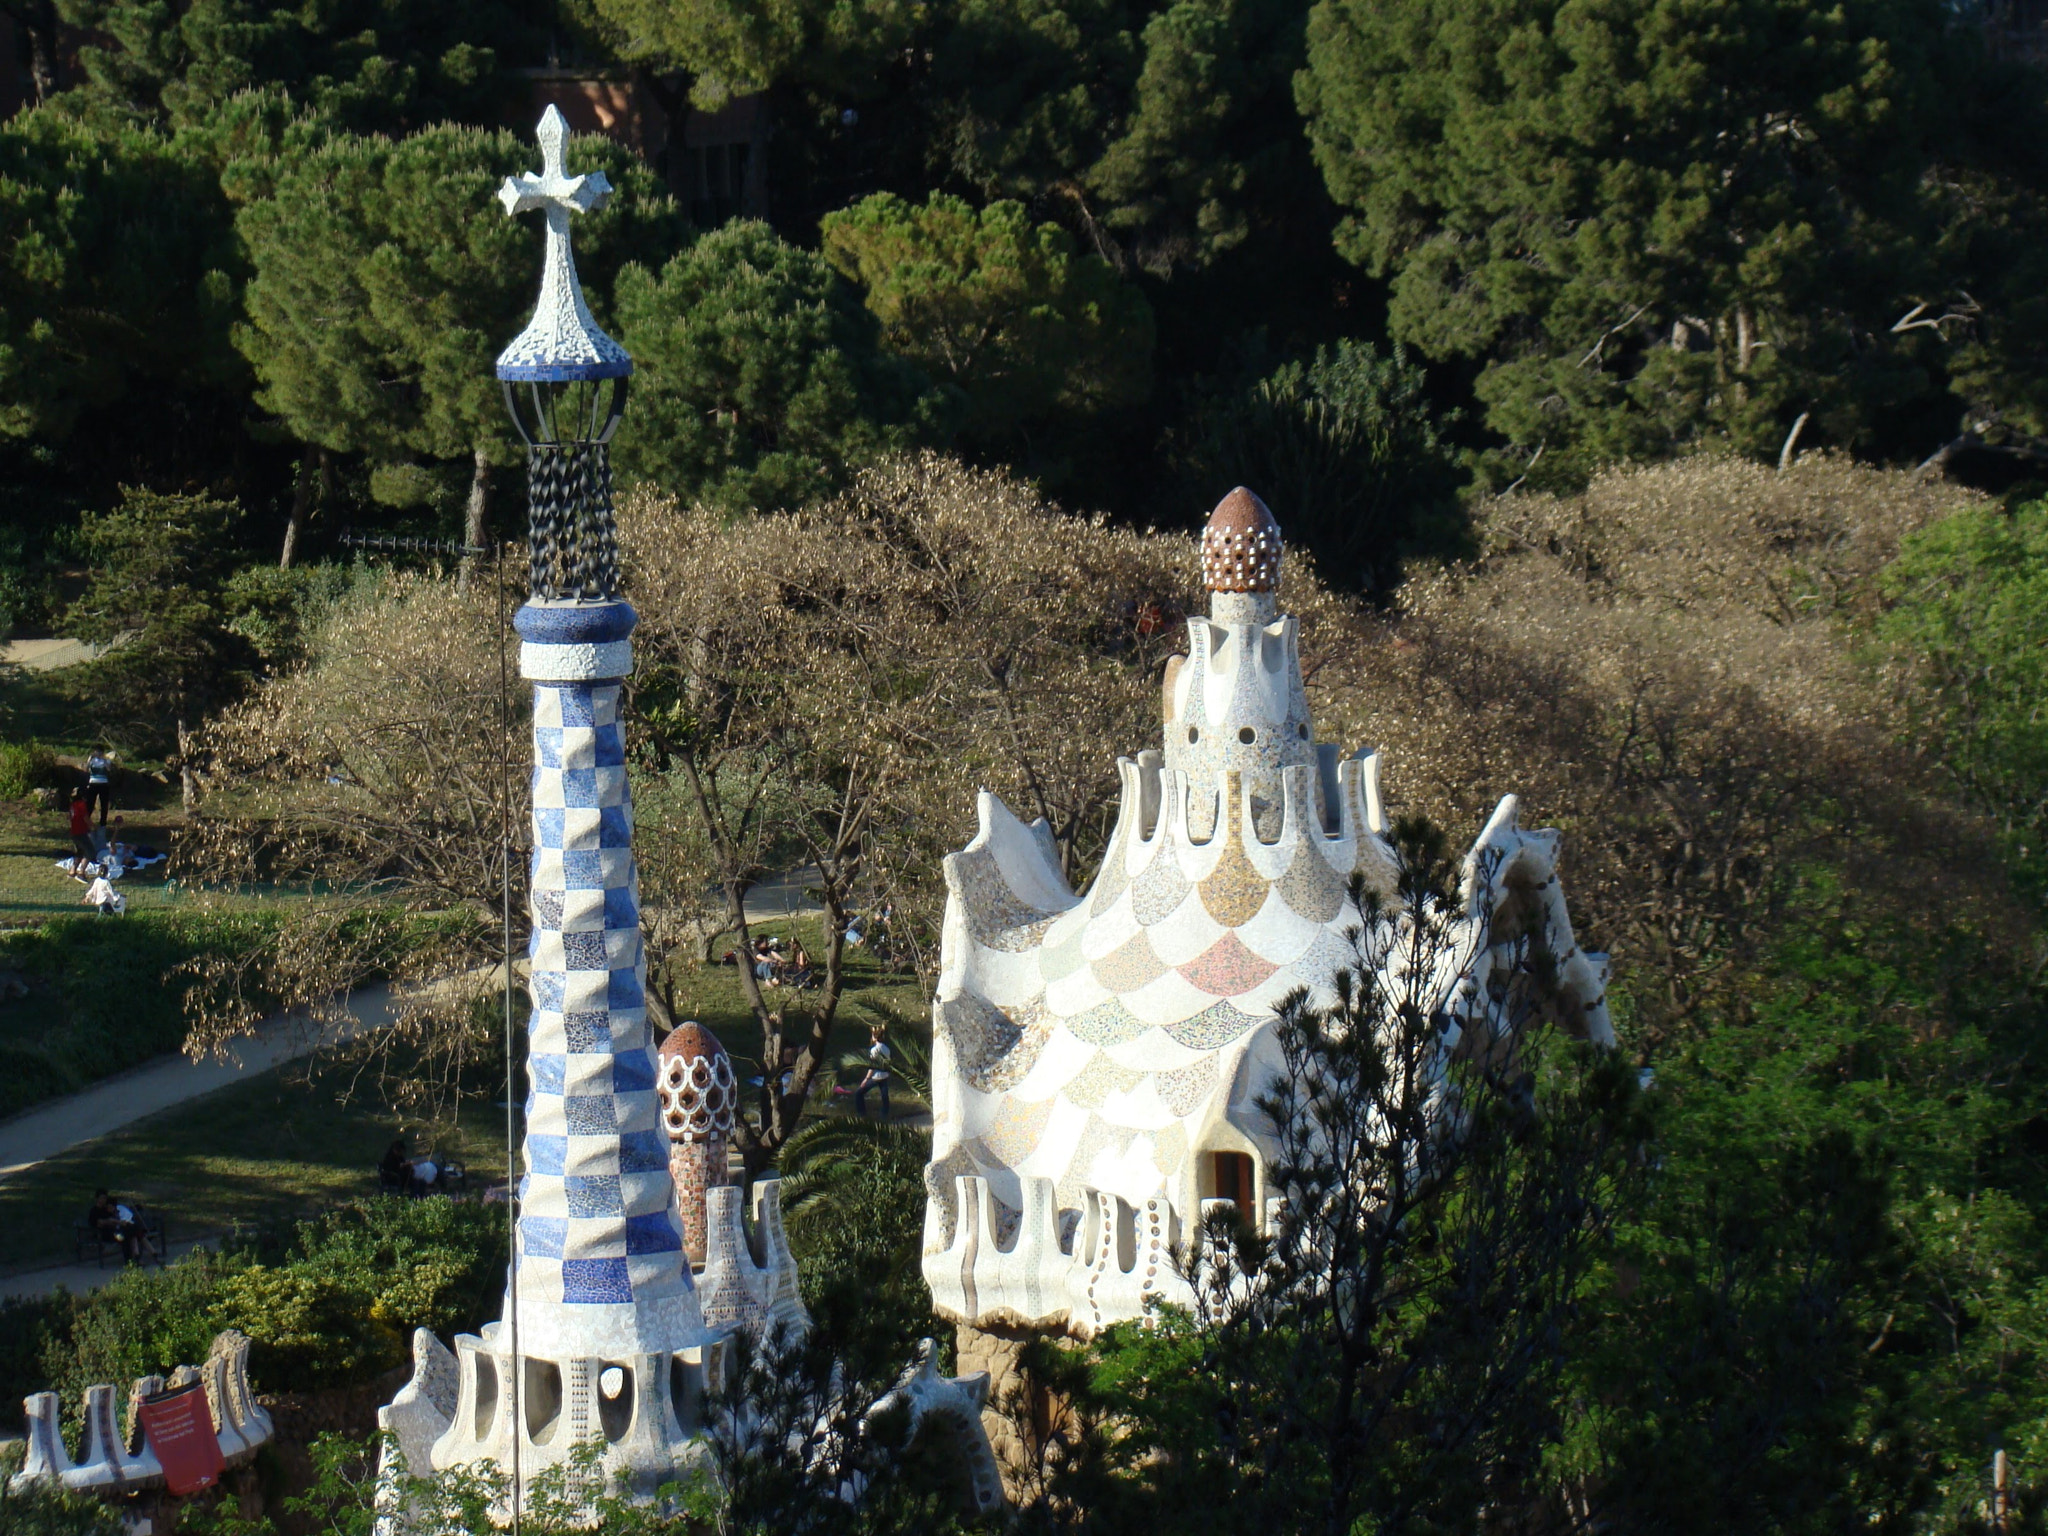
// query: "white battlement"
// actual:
[[106, 1464], [749, 1279]]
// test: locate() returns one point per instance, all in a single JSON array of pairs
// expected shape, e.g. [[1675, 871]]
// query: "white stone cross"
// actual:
[[554, 188], [562, 335]]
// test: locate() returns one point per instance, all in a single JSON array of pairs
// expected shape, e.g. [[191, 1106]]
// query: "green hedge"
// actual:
[[334, 1305], [101, 995], [26, 766]]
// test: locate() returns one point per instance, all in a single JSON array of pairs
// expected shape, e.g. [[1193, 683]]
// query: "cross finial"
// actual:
[[563, 341], [554, 188]]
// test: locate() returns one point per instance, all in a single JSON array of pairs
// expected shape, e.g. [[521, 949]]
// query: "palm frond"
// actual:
[[828, 1155]]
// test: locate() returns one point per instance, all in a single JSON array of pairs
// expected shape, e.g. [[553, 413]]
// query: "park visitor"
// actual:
[[101, 894], [425, 1172], [81, 826], [99, 787], [394, 1170], [116, 1223], [877, 1079]]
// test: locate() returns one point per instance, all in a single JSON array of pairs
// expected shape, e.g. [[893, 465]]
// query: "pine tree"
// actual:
[[760, 379], [116, 271], [387, 278], [1009, 313], [1658, 222], [365, 65]]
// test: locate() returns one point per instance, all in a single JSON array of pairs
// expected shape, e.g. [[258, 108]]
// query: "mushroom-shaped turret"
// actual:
[[700, 1100], [1241, 545]]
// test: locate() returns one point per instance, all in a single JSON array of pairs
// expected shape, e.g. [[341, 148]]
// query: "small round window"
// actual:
[[1247, 735], [1304, 732], [1193, 735]]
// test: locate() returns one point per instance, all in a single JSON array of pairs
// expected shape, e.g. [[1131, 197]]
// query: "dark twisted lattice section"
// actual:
[[573, 548]]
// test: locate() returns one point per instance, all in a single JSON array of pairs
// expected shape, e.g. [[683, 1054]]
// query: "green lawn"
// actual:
[[711, 994], [272, 1147], [102, 995], [33, 889], [281, 1144]]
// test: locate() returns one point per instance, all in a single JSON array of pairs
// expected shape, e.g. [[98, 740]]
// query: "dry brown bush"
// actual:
[[1666, 667], [375, 777], [829, 689]]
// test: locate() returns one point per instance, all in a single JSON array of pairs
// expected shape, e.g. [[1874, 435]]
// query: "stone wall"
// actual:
[[997, 1351]]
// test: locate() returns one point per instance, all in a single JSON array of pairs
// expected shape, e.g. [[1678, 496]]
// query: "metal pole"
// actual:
[[511, 1098]]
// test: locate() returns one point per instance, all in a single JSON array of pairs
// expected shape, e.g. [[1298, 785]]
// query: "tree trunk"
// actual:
[[187, 788], [38, 22], [1935, 465], [302, 505], [1792, 442], [1745, 339], [475, 520]]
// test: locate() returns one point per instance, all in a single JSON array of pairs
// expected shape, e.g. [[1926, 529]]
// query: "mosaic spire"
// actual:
[[1236, 710], [602, 1335]]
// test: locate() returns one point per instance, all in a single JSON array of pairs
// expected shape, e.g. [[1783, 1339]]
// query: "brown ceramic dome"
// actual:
[[700, 1096], [1241, 546]]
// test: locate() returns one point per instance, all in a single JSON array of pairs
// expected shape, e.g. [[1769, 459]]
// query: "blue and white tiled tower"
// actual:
[[601, 1336]]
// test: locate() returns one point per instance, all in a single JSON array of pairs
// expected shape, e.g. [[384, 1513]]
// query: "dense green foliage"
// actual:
[[1010, 315], [102, 996], [762, 378], [26, 766], [1969, 610], [42, 1510], [369, 65], [332, 1304], [1664, 224], [118, 277], [1346, 442]]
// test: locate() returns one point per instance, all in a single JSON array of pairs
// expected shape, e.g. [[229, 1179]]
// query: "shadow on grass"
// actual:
[[276, 1146]]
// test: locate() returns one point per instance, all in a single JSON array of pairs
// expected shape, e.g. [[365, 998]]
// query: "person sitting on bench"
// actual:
[[116, 1223], [394, 1170], [426, 1174]]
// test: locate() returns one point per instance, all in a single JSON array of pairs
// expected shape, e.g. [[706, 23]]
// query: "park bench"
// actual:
[[86, 1237]]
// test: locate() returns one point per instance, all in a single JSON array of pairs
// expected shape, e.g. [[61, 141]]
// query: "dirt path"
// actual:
[[47, 655]]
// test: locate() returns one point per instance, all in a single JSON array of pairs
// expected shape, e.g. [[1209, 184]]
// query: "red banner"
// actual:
[[179, 1424]]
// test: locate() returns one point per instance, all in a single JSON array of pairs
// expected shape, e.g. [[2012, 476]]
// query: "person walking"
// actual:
[[99, 782], [877, 1079]]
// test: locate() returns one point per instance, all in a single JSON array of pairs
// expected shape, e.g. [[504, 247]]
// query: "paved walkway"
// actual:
[[782, 896], [157, 1085], [80, 1278]]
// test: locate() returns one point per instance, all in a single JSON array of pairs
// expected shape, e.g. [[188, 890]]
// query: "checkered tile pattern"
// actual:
[[596, 1221]]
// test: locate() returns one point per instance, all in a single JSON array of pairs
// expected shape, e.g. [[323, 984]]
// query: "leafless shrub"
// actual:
[[370, 784], [1666, 667], [830, 688]]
